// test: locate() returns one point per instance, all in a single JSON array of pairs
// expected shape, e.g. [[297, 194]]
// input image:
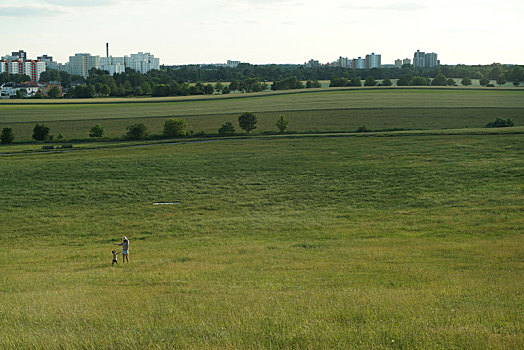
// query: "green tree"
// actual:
[[404, 80], [484, 81], [355, 81], [386, 82], [420, 81], [516, 75], [440, 80], [466, 81], [247, 121], [54, 92], [451, 82], [370, 81], [219, 87], [234, 85], [7, 136], [41, 132], [137, 131], [208, 89], [96, 131], [174, 128], [282, 124], [226, 129], [501, 81], [338, 82]]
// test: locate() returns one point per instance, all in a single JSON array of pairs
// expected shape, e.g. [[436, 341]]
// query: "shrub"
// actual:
[[500, 123], [386, 82], [41, 132], [363, 128], [96, 131], [226, 129], [174, 128], [7, 136], [136, 131]]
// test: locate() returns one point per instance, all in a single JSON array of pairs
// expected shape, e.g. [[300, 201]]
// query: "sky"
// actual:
[[267, 31]]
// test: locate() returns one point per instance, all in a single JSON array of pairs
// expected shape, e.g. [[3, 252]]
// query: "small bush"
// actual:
[[500, 123], [362, 128], [96, 131], [226, 129], [174, 128], [136, 131]]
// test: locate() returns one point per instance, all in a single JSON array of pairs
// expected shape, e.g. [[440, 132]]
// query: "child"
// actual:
[[125, 249], [115, 260]]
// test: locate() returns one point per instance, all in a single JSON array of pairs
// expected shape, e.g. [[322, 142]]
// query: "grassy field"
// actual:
[[320, 242], [308, 112]]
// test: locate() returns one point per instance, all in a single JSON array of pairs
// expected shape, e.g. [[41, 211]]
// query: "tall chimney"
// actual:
[[107, 49]]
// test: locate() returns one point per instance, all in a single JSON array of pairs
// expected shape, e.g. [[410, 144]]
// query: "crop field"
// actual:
[[326, 111], [312, 243]]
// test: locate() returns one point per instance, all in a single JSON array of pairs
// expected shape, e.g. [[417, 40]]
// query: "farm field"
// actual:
[[317, 242], [326, 111]]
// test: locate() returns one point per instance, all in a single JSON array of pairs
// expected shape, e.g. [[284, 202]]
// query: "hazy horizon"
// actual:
[[265, 32]]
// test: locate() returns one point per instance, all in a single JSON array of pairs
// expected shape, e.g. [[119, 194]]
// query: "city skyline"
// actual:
[[264, 32]]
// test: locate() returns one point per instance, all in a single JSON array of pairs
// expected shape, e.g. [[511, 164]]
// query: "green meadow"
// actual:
[[291, 243], [409, 236], [320, 111]]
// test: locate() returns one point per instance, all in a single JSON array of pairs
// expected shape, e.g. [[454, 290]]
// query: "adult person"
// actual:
[[125, 249]]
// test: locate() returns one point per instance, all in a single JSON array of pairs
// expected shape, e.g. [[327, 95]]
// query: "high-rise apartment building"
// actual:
[[373, 61], [343, 62], [142, 62], [113, 65], [359, 63], [81, 63], [48, 60], [419, 59], [431, 60], [32, 68], [422, 59]]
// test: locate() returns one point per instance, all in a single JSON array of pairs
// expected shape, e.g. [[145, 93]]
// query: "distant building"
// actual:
[[232, 64], [312, 64], [431, 60], [45, 88], [9, 90], [373, 61], [142, 62], [32, 68], [344, 62], [419, 59], [113, 65], [422, 59], [49, 63], [359, 63], [81, 63], [400, 62]]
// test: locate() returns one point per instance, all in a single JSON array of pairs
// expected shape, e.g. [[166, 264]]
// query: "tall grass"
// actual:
[[385, 243]]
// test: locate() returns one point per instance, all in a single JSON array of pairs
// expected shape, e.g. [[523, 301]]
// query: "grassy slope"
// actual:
[[411, 242], [320, 111]]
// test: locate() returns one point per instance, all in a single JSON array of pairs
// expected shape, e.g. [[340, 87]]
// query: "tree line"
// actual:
[[188, 80]]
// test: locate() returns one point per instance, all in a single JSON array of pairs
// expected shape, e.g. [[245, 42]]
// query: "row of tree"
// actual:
[[174, 127], [177, 128]]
